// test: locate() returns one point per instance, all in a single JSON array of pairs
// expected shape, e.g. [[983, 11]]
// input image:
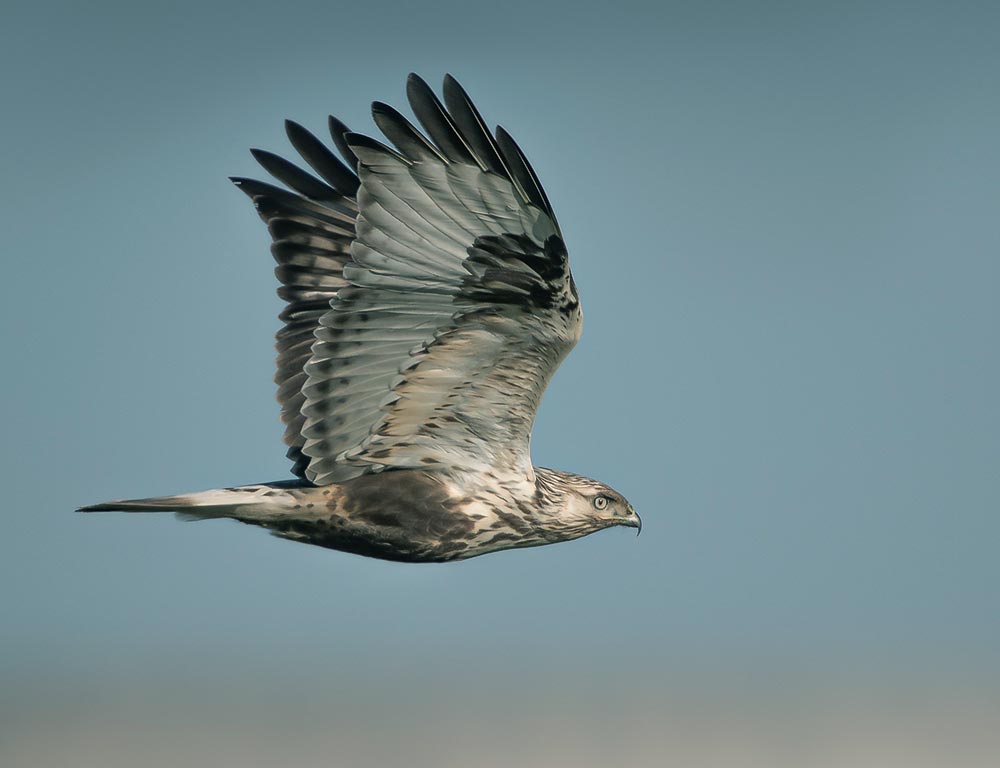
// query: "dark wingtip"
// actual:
[[97, 508], [474, 128], [523, 172], [415, 84], [337, 129], [362, 140], [337, 126], [294, 177], [450, 83], [253, 188], [438, 123], [321, 159], [380, 107], [249, 187], [367, 142], [297, 134]]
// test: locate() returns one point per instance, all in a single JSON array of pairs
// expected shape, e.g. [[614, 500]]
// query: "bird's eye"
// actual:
[[600, 502]]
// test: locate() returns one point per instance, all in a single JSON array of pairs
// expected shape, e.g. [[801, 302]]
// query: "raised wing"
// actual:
[[458, 304]]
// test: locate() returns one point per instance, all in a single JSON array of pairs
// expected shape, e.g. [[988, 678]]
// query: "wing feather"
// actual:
[[302, 182], [322, 160], [438, 123], [311, 242], [337, 132], [521, 169], [473, 127], [401, 132], [430, 297]]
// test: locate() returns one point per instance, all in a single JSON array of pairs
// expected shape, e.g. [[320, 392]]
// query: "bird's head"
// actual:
[[584, 505]]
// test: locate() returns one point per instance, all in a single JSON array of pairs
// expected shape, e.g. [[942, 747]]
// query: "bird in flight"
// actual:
[[429, 300]]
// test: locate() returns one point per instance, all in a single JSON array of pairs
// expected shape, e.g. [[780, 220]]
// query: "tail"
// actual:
[[248, 502]]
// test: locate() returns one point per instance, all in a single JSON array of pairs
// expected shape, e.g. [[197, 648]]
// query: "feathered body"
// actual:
[[404, 515], [429, 301]]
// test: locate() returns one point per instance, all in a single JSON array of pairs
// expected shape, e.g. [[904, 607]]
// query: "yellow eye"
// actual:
[[600, 502]]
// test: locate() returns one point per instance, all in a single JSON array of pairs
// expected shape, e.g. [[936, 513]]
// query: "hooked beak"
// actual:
[[634, 521]]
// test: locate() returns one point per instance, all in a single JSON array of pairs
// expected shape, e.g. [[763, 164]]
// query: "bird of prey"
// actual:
[[429, 301]]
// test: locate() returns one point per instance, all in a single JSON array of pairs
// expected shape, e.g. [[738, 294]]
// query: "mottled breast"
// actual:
[[404, 515]]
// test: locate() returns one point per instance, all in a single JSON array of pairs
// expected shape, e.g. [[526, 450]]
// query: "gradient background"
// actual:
[[784, 222]]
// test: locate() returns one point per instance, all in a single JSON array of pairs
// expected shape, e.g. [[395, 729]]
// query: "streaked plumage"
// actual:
[[429, 301]]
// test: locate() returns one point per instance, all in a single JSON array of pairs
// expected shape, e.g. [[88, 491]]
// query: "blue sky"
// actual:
[[782, 221]]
